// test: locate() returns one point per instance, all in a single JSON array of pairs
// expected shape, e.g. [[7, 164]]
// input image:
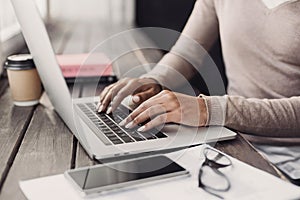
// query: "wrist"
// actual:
[[151, 80]]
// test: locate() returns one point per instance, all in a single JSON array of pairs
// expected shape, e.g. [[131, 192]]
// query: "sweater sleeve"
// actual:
[[199, 34], [260, 117]]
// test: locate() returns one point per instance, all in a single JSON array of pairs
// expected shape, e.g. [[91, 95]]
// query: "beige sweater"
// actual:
[[261, 49]]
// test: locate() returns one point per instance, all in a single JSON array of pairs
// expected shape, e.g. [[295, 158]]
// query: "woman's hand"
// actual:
[[167, 107], [140, 88]]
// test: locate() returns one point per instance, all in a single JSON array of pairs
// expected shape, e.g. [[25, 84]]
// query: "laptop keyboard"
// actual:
[[108, 125]]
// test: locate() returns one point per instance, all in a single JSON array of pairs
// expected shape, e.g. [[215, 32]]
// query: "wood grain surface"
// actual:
[[13, 122]]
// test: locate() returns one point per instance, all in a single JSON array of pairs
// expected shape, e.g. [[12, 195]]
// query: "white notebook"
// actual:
[[246, 183]]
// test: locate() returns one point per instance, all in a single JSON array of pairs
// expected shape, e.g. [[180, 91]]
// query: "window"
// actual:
[[9, 28]]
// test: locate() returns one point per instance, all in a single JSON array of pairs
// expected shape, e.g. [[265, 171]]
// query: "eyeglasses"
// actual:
[[210, 178]]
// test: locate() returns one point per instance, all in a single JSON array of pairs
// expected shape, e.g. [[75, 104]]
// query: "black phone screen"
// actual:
[[116, 173]]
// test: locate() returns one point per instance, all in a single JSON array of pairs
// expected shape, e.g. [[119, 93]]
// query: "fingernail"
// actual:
[[101, 108], [141, 129], [130, 125], [109, 110], [122, 123], [136, 99]]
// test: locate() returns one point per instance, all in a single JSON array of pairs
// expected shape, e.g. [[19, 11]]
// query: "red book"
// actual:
[[86, 67]]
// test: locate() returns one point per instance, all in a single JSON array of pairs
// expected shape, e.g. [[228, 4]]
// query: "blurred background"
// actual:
[[77, 26], [109, 15]]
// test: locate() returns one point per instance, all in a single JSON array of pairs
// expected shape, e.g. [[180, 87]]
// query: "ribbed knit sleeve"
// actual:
[[261, 117]]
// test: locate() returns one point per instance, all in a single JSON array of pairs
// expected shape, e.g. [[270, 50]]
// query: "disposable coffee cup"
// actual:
[[24, 81]]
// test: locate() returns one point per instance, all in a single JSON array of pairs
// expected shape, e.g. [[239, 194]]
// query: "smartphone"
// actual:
[[106, 177]]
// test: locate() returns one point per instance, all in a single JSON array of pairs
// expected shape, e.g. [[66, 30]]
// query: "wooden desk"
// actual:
[[35, 142]]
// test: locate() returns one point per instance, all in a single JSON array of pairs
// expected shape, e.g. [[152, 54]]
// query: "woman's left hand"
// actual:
[[167, 107]]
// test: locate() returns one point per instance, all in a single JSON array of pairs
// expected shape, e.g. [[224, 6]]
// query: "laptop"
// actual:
[[100, 134]]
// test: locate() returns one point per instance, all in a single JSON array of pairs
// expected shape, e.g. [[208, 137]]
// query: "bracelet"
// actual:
[[206, 105]]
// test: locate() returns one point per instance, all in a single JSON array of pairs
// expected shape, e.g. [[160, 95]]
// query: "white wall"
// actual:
[[111, 11], [9, 25]]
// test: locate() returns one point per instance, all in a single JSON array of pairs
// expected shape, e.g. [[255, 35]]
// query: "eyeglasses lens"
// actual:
[[213, 179], [217, 157]]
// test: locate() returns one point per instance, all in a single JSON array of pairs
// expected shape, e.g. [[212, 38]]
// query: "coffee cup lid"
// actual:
[[19, 62]]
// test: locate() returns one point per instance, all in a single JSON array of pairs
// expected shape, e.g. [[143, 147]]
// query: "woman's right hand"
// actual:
[[141, 89]]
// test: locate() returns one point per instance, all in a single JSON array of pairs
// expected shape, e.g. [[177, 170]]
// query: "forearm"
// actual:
[[260, 117]]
